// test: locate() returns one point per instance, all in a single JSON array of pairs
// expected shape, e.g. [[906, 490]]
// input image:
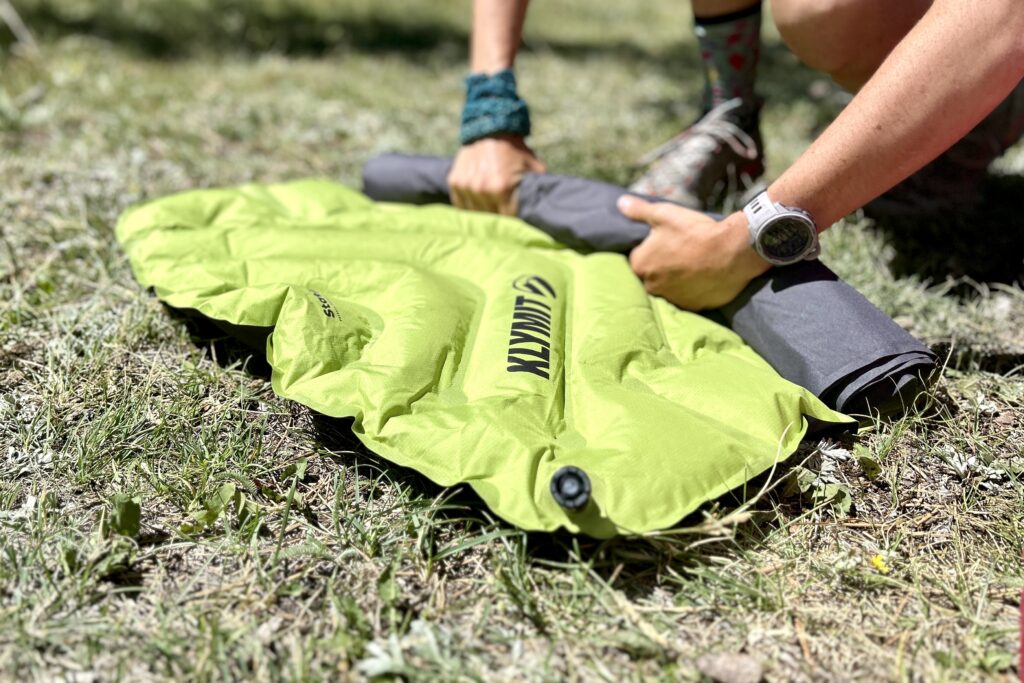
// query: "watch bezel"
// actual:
[[787, 214]]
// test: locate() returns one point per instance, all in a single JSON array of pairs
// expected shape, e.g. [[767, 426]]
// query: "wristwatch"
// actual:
[[781, 235]]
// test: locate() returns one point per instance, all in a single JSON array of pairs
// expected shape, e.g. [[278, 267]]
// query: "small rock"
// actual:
[[831, 452], [728, 667], [819, 89], [1005, 419]]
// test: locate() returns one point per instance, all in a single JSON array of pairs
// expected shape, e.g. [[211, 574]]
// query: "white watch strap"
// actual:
[[758, 210]]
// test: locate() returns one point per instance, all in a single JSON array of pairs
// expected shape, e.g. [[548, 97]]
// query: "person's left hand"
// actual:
[[690, 259]]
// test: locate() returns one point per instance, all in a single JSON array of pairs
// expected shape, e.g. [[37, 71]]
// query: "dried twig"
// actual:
[[10, 16]]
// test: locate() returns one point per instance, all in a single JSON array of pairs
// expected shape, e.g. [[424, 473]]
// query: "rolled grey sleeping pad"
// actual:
[[813, 328]]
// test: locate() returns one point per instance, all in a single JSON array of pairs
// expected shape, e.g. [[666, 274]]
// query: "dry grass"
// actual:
[[340, 565]]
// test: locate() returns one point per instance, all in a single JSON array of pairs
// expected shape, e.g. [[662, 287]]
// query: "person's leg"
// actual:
[[721, 152], [847, 39], [729, 36]]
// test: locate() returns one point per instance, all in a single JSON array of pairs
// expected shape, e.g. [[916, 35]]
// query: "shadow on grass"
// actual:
[[633, 565], [984, 243], [175, 31], [228, 345]]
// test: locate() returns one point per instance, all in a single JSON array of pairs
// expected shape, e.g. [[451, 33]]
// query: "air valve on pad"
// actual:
[[570, 487]]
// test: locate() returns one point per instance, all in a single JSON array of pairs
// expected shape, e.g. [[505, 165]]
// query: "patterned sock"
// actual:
[[730, 46]]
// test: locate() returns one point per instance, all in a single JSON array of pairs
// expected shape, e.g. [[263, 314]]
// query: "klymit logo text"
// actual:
[[529, 346], [325, 305]]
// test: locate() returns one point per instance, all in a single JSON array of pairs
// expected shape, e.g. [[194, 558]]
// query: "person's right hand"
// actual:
[[486, 173]]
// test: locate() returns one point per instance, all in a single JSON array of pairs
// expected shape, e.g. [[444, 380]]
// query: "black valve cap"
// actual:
[[570, 488]]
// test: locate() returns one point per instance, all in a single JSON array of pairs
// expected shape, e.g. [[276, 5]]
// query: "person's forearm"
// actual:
[[497, 32], [943, 78]]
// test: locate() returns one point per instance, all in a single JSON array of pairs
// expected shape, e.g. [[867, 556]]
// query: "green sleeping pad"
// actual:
[[474, 348]]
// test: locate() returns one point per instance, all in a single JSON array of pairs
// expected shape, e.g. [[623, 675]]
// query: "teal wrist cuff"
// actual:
[[492, 107]]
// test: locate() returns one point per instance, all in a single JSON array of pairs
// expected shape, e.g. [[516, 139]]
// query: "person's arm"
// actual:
[[497, 32], [944, 77], [486, 172], [953, 68]]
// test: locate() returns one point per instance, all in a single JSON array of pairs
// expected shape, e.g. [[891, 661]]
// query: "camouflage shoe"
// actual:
[[952, 181], [717, 156]]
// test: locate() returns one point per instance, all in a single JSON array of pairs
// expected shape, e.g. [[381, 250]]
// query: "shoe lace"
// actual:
[[696, 143]]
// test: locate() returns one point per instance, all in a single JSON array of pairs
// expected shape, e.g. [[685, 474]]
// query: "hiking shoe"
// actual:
[[717, 156], [952, 181]]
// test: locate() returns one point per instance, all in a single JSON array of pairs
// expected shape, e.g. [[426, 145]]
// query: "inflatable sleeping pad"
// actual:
[[812, 327], [475, 348]]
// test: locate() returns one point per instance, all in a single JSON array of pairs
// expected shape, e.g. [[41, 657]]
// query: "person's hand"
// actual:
[[689, 258], [486, 173]]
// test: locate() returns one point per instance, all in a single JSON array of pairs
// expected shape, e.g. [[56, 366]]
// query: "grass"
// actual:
[[270, 547]]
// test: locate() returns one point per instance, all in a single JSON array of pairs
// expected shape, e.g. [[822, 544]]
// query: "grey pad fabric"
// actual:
[[815, 329], [577, 212]]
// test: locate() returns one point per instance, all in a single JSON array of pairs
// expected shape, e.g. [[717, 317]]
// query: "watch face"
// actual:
[[787, 238]]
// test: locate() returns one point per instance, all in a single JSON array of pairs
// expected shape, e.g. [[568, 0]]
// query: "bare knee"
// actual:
[[846, 39], [818, 31]]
